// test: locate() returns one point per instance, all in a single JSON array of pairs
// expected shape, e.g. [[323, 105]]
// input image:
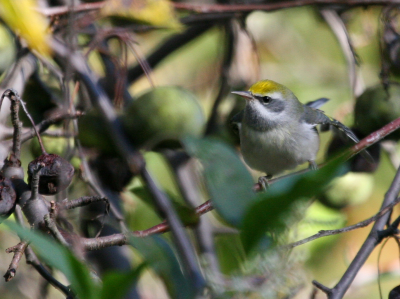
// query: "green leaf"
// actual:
[[117, 284], [160, 257], [60, 258], [228, 181], [269, 212]]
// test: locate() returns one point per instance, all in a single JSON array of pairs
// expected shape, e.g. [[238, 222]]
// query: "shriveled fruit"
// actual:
[[8, 197], [55, 176]]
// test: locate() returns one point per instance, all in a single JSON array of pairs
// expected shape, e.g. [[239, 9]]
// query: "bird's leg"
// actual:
[[312, 165], [263, 181]]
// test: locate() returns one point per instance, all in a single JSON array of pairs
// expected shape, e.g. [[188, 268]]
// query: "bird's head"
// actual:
[[271, 101]]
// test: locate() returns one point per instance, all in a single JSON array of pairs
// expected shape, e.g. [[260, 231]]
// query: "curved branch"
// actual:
[[224, 8]]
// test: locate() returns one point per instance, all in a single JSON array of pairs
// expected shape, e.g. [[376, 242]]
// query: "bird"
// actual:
[[277, 132]]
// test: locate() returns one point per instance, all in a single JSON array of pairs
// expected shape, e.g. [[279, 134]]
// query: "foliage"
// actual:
[[166, 146]]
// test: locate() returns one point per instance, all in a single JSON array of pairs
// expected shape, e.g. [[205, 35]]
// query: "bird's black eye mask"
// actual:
[[273, 105], [263, 99]]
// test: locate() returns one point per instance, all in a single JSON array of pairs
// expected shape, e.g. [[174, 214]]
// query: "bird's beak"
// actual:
[[246, 94]]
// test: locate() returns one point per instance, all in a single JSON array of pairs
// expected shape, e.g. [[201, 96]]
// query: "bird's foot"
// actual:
[[263, 181], [312, 165]]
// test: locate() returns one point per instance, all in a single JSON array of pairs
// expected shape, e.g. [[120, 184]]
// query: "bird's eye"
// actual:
[[264, 99]]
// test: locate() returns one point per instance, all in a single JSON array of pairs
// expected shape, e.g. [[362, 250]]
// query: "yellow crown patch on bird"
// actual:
[[265, 86]]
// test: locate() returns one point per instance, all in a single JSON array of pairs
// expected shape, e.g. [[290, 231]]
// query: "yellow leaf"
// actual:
[[25, 21], [152, 12]]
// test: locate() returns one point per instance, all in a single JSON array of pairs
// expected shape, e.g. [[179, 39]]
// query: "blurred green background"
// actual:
[[296, 48]]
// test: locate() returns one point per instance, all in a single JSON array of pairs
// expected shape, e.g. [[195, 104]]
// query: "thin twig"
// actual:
[[370, 243], [321, 287], [364, 223], [122, 239], [32, 259], [12, 95], [82, 201], [17, 127], [18, 250], [52, 227], [46, 123], [35, 181]]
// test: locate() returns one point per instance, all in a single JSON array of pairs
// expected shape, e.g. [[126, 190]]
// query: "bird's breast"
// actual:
[[278, 149]]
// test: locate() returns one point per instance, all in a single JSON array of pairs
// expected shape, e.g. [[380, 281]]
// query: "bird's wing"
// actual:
[[317, 103], [317, 117]]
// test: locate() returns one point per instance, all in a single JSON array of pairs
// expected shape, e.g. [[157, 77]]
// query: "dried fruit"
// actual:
[[8, 197], [395, 293], [113, 172], [55, 176]]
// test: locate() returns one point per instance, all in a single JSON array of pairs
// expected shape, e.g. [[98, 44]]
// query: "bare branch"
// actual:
[[225, 8], [370, 243], [32, 259], [325, 233], [18, 250], [52, 227]]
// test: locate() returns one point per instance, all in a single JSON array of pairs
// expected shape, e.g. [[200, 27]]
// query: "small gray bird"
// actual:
[[277, 132]]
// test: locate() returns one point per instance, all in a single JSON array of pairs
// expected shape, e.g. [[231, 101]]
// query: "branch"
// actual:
[[325, 233], [45, 124], [82, 201], [32, 259], [373, 138], [18, 250], [370, 243], [229, 8], [122, 239], [223, 8], [52, 227], [17, 125]]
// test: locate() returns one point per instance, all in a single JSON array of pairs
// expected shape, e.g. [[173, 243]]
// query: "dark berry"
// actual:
[[395, 293], [8, 197], [55, 176], [113, 172]]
